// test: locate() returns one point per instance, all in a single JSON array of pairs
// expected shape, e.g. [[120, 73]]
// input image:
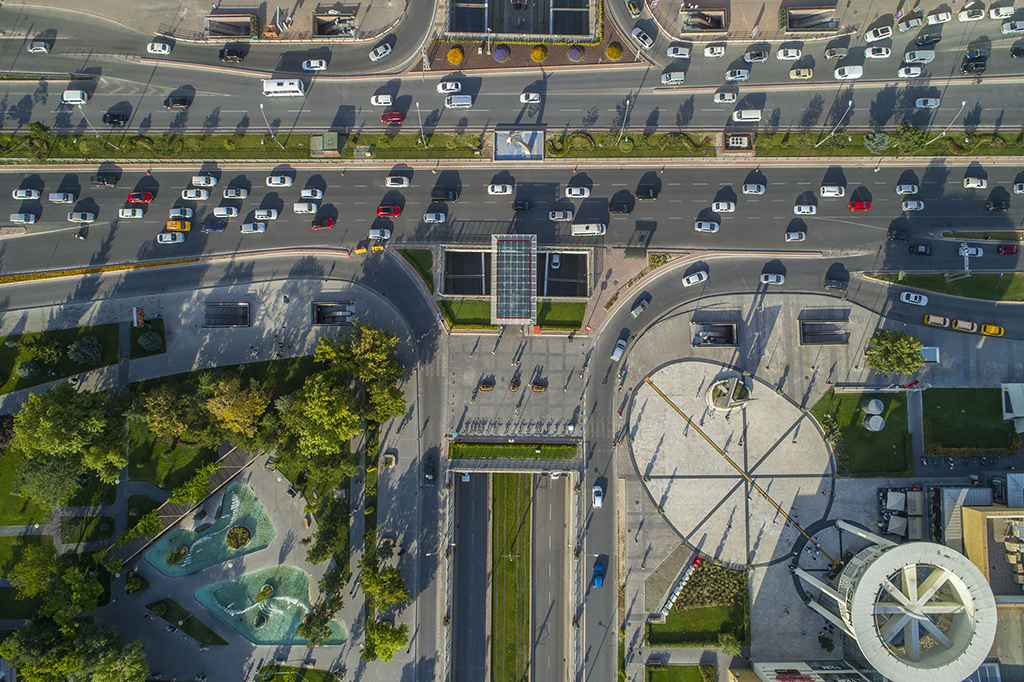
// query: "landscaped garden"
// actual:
[[510, 451], [173, 613], [680, 673], [714, 604], [28, 360], [860, 452], [75, 529], [967, 422]]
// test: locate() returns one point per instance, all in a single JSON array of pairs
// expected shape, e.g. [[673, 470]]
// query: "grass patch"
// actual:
[[466, 314], [985, 286], [510, 451], [510, 575], [75, 529], [423, 261], [135, 582], [11, 549], [18, 608], [611, 145], [852, 144], [680, 673], [994, 235], [139, 506], [284, 673], [700, 627], [192, 627], [967, 421], [887, 453], [94, 492], [154, 325], [165, 465], [19, 348], [561, 315], [408, 145], [16, 510]]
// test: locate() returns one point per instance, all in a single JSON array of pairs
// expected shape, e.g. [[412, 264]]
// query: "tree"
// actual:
[[826, 643], [46, 349], [332, 518], [384, 639], [27, 369], [34, 571], [367, 353], [41, 652], [892, 351], [316, 626], [729, 645], [908, 138], [150, 341], [323, 416], [383, 586], [49, 481], [238, 409], [876, 142], [197, 487], [44, 652], [168, 413], [86, 351], [125, 664], [75, 592], [386, 401]]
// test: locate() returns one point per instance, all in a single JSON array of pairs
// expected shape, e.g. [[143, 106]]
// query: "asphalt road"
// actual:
[[548, 654], [858, 239], [470, 641]]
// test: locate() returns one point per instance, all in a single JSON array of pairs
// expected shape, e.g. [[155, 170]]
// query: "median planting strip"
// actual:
[[178, 617], [510, 577], [981, 285], [507, 451]]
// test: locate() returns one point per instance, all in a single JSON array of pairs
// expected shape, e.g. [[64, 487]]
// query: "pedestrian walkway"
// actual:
[[915, 424]]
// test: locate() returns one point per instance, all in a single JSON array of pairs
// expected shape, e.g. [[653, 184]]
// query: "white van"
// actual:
[[23, 218], [225, 212], [61, 198], [589, 229], [458, 101], [832, 191], [919, 56], [746, 115], [674, 78], [305, 207], [74, 97]]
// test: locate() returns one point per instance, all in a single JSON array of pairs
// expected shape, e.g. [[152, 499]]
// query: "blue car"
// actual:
[[212, 227], [598, 575]]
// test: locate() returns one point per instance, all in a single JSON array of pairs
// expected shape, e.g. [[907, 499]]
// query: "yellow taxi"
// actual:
[[178, 226], [992, 330], [801, 73], [936, 320], [965, 326]]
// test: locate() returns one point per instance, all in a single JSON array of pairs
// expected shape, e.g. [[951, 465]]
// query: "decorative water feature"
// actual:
[[242, 526], [265, 606]]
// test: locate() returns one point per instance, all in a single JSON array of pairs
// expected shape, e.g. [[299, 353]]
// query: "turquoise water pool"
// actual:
[[239, 508], [234, 602]]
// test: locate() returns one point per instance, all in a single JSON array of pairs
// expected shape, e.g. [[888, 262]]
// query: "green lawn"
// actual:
[[510, 577], [192, 627], [561, 315], [11, 549], [986, 286], [630, 145], [509, 451], [887, 453], [18, 608], [154, 325], [423, 261], [167, 466], [966, 418], [993, 235], [852, 144], [679, 673], [699, 627], [408, 146], [75, 529], [94, 493], [15, 510], [283, 673], [139, 506], [464, 314], [19, 350]]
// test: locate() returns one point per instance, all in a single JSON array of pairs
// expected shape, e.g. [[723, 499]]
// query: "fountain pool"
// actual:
[[272, 620], [208, 547]]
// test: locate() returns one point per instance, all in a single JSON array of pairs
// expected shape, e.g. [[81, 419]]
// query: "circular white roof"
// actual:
[[923, 612]]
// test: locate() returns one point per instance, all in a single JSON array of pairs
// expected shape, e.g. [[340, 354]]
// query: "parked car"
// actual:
[[906, 188], [430, 471], [860, 205], [970, 252], [796, 236], [115, 118], [913, 205], [788, 54], [878, 52], [323, 223], [598, 578], [755, 56], [911, 71], [26, 194], [992, 330], [911, 298], [910, 24], [926, 103], [849, 73], [678, 52], [972, 14], [939, 18], [170, 238], [157, 47], [876, 34], [997, 205], [576, 192], [599, 492], [396, 181], [734, 75], [1008, 249], [753, 188], [805, 209], [129, 213], [449, 87], [193, 194], [499, 190], [279, 181], [713, 51], [388, 211], [724, 97], [234, 55], [645, 40]]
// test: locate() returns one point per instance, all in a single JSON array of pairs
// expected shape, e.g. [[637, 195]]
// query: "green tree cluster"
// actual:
[[384, 587], [892, 351], [196, 488], [34, 571], [44, 651]]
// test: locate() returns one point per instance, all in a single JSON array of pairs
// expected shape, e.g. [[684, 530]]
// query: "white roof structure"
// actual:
[[895, 500]]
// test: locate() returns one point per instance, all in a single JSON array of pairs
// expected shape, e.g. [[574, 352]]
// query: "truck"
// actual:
[[441, 194]]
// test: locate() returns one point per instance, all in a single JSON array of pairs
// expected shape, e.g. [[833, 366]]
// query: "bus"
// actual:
[[289, 88]]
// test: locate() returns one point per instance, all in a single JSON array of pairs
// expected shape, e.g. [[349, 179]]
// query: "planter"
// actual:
[[260, 621], [389, 461], [513, 386], [265, 592], [538, 388], [238, 537], [486, 387]]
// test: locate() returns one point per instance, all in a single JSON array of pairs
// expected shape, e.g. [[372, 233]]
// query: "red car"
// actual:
[[388, 211], [323, 223], [862, 205], [140, 198], [391, 117], [1007, 249]]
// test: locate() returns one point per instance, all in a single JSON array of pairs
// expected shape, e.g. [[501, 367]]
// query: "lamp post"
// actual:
[[423, 137], [625, 115], [100, 137], [849, 105], [943, 133], [269, 129]]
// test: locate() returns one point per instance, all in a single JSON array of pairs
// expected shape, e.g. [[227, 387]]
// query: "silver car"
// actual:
[[805, 209], [695, 278], [705, 226], [753, 188], [235, 193], [723, 207], [560, 216], [772, 278], [645, 40], [734, 75]]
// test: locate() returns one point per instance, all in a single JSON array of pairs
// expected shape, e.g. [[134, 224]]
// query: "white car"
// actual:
[[805, 209], [1012, 27], [849, 73], [381, 100], [705, 226], [204, 181], [975, 183], [170, 238], [314, 65], [529, 98], [449, 87], [378, 53], [225, 212], [279, 181], [724, 97], [753, 188], [939, 18], [81, 217], [577, 192], [734, 75], [907, 188], [1018, 188], [772, 278], [396, 181], [253, 228], [878, 52], [23, 218], [434, 217], [265, 214], [379, 233], [560, 216], [926, 103], [129, 213], [972, 251], [913, 205], [910, 24], [308, 193], [695, 278], [179, 213], [645, 40], [1004, 12], [598, 496], [192, 194], [911, 298], [26, 194], [712, 51], [795, 236], [973, 14], [788, 54], [678, 52], [909, 72], [880, 33], [919, 57], [723, 207], [305, 207], [502, 190], [158, 48], [235, 193]]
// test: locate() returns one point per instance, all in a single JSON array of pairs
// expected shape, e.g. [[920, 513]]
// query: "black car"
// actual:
[[839, 284], [113, 118], [896, 235], [103, 181], [921, 250], [974, 67], [429, 471], [212, 227], [620, 207], [522, 206], [178, 103], [1017, 52], [232, 54], [646, 194], [927, 39], [997, 205], [978, 53]]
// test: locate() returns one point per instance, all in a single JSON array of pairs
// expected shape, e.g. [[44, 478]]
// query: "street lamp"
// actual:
[[487, 32], [625, 115], [943, 133], [94, 129], [269, 129], [849, 105], [423, 137]]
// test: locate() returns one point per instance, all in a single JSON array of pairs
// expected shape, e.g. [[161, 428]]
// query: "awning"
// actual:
[[895, 501], [897, 525]]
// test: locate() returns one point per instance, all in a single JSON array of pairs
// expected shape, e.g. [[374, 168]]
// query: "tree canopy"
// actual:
[[893, 351], [75, 592], [42, 651], [237, 409], [384, 639], [323, 415], [35, 569], [367, 353]]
